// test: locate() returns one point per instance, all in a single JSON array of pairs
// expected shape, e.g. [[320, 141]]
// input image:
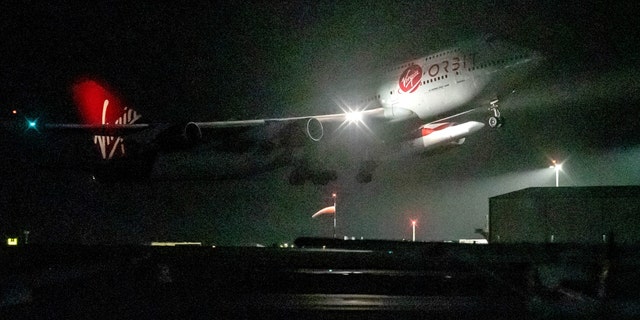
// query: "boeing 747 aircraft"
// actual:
[[424, 96]]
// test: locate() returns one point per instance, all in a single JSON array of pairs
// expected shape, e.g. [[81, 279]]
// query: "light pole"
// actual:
[[335, 213], [413, 226], [557, 167], [329, 210]]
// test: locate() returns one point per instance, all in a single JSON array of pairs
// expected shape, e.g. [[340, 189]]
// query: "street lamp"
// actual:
[[335, 213], [413, 226], [557, 167]]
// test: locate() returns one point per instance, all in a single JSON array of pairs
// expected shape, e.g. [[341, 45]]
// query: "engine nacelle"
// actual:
[[192, 133], [180, 136], [314, 129]]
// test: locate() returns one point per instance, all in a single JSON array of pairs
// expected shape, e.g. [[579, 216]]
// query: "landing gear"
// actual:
[[365, 173], [302, 174], [495, 121]]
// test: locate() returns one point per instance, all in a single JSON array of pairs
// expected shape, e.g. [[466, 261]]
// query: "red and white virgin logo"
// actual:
[[98, 105], [110, 145], [410, 78]]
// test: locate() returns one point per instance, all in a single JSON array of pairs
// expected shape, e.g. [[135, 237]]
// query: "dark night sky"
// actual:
[[254, 59]]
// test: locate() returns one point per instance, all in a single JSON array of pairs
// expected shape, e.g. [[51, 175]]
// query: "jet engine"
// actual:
[[180, 136], [192, 133], [314, 129]]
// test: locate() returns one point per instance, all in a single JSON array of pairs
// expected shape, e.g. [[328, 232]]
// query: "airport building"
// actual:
[[566, 214]]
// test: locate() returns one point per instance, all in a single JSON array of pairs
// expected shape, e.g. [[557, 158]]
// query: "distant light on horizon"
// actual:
[[32, 124]]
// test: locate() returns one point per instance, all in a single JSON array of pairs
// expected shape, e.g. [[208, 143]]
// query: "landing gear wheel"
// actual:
[[495, 122]]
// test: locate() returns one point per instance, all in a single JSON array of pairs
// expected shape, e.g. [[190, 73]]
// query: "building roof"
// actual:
[[574, 192]]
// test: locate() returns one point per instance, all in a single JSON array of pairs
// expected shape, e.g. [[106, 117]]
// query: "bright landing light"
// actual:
[[353, 117]]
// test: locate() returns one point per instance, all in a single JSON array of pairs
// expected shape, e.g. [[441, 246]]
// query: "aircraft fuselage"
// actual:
[[449, 81]]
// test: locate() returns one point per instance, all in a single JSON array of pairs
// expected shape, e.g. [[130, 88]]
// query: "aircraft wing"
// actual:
[[313, 124], [351, 116]]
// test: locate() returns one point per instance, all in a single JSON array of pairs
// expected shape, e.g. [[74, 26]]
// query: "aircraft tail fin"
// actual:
[[98, 105]]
